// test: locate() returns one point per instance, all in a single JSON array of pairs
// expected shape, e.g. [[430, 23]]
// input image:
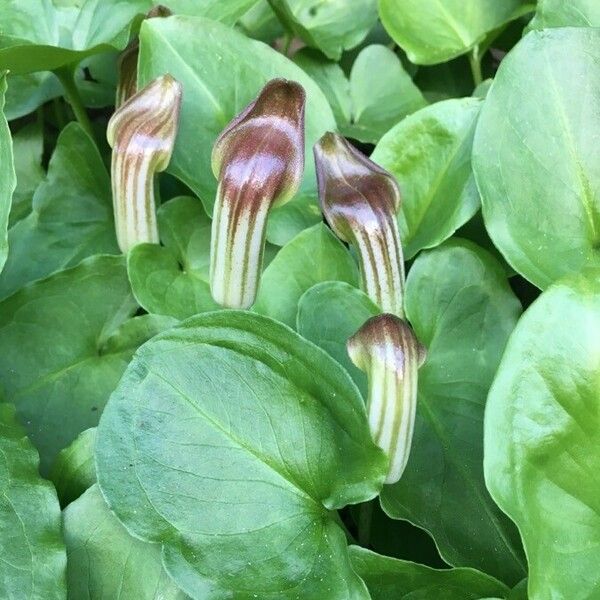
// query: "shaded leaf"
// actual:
[[393, 579], [31, 546], [71, 215], [105, 561]]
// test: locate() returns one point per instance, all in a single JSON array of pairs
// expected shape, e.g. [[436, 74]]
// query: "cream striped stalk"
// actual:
[[360, 200], [386, 348], [258, 161], [142, 135]]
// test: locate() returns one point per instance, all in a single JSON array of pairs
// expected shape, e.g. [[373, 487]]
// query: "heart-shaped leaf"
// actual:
[[393, 579], [230, 440], [462, 310], [536, 154], [429, 153], [542, 437], [172, 279], [33, 554], [64, 343], [313, 256], [71, 217], [222, 71]]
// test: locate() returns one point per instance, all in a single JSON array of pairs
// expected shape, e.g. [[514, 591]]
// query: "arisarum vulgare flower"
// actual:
[[359, 200], [128, 61], [386, 348], [142, 135], [258, 161]]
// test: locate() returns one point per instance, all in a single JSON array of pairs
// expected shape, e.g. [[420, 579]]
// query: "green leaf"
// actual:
[[536, 154], [429, 153], [462, 309], [28, 146], [8, 178], [222, 71], [434, 31], [378, 94], [230, 440], [542, 437], [105, 561], [331, 312], [393, 579], [26, 92], [228, 12], [71, 217], [261, 23], [447, 80], [172, 279], [566, 13], [64, 343], [33, 554], [41, 35], [74, 470], [313, 256], [382, 94], [331, 79], [331, 27]]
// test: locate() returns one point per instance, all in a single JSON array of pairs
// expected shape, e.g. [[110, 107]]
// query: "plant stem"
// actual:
[[59, 115], [475, 62], [365, 517], [287, 42], [66, 75]]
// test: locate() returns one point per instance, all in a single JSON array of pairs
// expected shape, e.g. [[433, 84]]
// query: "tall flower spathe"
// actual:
[[258, 161], [386, 348], [359, 200], [142, 135]]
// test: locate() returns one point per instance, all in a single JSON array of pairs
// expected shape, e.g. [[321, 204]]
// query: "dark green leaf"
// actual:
[[71, 217], [462, 310], [542, 437], [536, 154], [261, 23], [566, 13], [434, 31], [64, 343], [74, 470], [172, 279], [331, 312], [26, 92], [332, 27], [105, 561], [229, 440], [393, 579], [429, 153], [313, 256], [33, 554], [8, 178], [222, 71], [28, 146]]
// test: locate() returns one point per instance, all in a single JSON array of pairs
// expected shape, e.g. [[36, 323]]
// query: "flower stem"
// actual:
[[66, 75], [365, 518], [475, 62]]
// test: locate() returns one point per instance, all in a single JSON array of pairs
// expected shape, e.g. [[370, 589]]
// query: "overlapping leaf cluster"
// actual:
[[154, 445]]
